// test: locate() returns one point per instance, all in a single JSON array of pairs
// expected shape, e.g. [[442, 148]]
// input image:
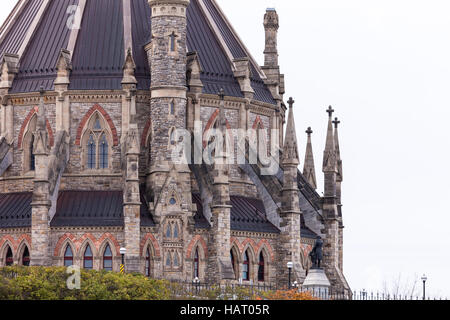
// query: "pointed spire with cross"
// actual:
[[330, 111], [291, 102], [309, 170], [336, 122]]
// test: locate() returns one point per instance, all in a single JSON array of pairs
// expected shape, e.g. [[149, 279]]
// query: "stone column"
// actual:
[[41, 203]]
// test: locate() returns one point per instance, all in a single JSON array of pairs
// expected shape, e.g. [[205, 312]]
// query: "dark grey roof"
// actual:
[[98, 56], [14, 39], [89, 209], [146, 218], [247, 214], [15, 210], [37, 65]]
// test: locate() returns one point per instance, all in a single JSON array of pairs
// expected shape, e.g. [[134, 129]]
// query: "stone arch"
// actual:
[[250, 243], [115, 246], [23, 243], [147, 133], [211, 123], [62, 244], [266, 245], [196, 242], [24, 128], [235, 252], [87, 118], [82, 249], [5, 245], [149, 238], [267, 262], [101, 253]]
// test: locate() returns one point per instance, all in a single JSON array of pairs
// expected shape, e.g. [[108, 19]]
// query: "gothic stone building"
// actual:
[[92, 92]]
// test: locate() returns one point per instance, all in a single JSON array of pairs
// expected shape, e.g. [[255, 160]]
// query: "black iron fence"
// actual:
[[192, 290]]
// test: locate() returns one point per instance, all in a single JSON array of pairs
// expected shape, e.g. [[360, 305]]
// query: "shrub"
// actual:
[[49, 283]]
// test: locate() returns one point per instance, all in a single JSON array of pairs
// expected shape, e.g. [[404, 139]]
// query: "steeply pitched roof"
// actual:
[[247, 214], [89, 209], [99, 51], [15, 210]]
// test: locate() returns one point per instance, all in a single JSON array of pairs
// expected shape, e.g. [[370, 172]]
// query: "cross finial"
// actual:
[[309, 131], [291, 102], [222, 94], [330, 111], [336, 122]]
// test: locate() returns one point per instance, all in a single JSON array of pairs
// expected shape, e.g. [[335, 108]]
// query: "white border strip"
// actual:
[[216, 30], [33, 27], [127, 36], [12, 17]]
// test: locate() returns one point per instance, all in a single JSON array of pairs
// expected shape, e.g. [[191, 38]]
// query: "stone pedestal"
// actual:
[[317, 283]]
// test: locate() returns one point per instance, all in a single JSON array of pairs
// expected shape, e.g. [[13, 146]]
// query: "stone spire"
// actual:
[[290, 148], [290, 212], [329, 156], [309, 170], [339, 177]]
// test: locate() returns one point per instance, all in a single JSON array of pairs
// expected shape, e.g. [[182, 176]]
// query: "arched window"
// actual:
[[92, 149], [246, 268], [26, 257], [9, 257], [88, 259], [168, 231], [175, 231], [172, 108], [261, 268], [29, 162], [196, 265], [168, 260], [31, 154], [147, 263], [176, 262], [103, 152], [96, 143], [172, 37], [68, 256], [107, 259]]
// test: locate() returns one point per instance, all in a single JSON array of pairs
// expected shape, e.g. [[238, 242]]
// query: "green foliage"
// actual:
[[49, 283]]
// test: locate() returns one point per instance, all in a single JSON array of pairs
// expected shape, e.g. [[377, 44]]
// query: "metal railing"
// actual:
[[249, 291]]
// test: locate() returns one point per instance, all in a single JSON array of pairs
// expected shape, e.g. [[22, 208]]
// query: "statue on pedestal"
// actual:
[[316, 253]]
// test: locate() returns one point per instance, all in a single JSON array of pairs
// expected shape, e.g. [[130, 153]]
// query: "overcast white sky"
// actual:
[[384, 65]]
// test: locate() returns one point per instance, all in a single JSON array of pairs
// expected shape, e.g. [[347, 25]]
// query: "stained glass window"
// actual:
[[32, 157], [68, 257], [196, 264], [245, 268], [147, 263], [9, 257], [261, 267], [88, 262], [26, 257], [91, 149], [103, 152], [107, 259]]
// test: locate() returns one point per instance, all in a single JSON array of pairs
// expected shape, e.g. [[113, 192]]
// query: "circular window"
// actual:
[[173, 201]]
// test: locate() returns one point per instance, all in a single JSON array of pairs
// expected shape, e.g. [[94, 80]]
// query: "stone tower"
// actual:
[[168, 180]]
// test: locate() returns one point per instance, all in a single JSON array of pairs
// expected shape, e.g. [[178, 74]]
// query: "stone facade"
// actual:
[[166, 234]]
